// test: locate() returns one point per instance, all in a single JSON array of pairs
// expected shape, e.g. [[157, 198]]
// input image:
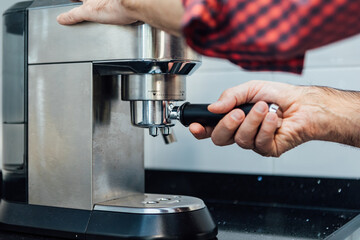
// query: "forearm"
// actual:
[[338, 115], [163, 14]]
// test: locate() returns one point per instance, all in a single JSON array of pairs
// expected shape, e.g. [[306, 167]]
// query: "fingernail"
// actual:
[[236, 115], [261, 108], [271, 117]]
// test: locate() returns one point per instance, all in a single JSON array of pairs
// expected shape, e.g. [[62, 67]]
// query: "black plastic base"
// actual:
[[91, 225], [42, 220]]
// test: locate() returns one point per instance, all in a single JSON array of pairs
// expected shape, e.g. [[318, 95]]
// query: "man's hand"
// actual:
[[308, 113], [102, 11], [163, 14]]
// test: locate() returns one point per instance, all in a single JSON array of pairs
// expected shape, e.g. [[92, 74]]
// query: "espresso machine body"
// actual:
[[73, 165]]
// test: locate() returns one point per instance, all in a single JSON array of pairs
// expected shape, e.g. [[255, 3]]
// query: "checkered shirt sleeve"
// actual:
[[266, 35]]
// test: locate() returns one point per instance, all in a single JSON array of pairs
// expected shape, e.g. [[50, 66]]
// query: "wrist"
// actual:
[[335, 115]]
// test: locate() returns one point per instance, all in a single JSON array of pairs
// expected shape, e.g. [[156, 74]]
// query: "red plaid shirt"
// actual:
[[267, 34]]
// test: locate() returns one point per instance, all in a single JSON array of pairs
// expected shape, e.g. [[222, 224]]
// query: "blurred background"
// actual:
[[336, 65]]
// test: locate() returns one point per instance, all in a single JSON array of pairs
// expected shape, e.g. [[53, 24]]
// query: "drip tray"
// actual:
[[152, 204]]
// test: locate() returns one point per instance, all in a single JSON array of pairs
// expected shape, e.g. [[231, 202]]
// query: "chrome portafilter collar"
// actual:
[[149, 96], [151, 114]]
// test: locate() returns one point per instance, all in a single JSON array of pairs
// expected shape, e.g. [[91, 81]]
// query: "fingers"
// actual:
[[258, 131], [265, 139], [245, 136], [255, 131], [75, 15], [223, 134], [199, 131]]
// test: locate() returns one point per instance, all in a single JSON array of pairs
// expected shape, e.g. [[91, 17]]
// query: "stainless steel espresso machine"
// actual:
[[72, 163]]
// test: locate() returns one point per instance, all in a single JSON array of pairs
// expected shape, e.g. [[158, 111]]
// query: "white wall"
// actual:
[[337, 65], [4, 4]]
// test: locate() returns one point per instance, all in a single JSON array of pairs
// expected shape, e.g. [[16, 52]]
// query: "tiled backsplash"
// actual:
[[336, 65]]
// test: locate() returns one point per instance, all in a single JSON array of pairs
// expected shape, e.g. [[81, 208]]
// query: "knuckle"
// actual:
[[90, 10], [266, 131], [130, 4], [254, 83], [276, 155], [258, 116], [100, 5], [261, 149], [69, 18], [244, 143], [264, 150], [97, 6], [263, 154], [216, 141], [228, 125], [227, 93], [268, 154]]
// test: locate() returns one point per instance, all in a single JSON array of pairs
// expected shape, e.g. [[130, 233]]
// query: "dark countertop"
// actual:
[[264, 222], [263, 207], [269, 207], [238, 221]]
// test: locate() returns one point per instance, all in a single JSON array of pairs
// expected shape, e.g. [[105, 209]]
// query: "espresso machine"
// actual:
[[73, 165]]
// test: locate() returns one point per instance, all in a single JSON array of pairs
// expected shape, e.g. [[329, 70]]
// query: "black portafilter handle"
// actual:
[[191, 113]]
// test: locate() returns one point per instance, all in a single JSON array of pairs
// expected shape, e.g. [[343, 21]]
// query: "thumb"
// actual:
[[223, 105], [75, 15], [229, 99]]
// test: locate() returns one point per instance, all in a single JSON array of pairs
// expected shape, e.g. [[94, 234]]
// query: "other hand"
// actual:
[[102, 11], [163, 14]]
